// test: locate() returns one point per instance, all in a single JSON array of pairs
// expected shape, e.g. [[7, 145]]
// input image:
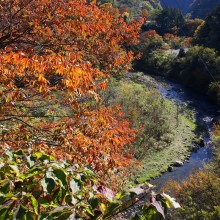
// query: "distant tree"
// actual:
[[150, 40], [145, 13], [170, 20], [187, 42], [198, 68], [105, 1], [208, 33], [172, 40], [191, 26]]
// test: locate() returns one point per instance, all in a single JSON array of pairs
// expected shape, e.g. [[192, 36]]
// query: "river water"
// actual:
[[206, 115]]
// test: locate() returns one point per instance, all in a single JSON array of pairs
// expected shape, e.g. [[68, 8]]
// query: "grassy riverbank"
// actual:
[[157, 162], [166, 132]]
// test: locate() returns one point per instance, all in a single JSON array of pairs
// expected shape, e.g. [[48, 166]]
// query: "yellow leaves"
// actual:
[[78, 71], [103, 207], [42, 83], [41, 79], [69, 85], [59, 69]]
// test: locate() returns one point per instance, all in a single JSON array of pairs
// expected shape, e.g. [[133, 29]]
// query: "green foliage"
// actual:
[[169, 20], [158, 62], [208, 33], [36, 186], [157, 208], [135, 6], [154, 56], [147, 110], [191, 26], [197, 69], [214, 92]]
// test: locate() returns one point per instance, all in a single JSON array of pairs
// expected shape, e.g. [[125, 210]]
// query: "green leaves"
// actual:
[[38, 186], [41, 188], [111, 209], [57, 215], [4, 212], [33, 201], [157, 208], [61, 176], [22, 213], [48, 184]]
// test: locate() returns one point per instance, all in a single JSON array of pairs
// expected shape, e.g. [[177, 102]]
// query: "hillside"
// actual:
[[197, 8], [134, 6], [201, 8], [182, 5]]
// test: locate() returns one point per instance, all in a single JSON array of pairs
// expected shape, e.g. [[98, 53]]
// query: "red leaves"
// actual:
[[54, 57], [151, 34], [102, 134]]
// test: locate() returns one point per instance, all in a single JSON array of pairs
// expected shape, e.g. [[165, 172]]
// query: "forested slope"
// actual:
[[201, 8], [182, 5], [197, 8]]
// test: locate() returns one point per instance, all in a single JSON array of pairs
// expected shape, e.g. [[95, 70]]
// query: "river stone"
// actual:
[[195, 148], [188, 156], [201, 143], [170, 169], [178, 163]]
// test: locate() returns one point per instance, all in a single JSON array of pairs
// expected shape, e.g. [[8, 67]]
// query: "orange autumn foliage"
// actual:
[[151, 35], [55, 55], [170, 37]]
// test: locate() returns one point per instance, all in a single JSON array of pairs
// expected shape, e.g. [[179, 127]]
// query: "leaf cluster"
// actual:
[[37, 186]]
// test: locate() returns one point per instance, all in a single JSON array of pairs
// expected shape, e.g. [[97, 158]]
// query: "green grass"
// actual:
[[156, 162], [182, 129]]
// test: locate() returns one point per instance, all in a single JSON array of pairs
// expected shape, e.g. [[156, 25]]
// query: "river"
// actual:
[[206, 115]]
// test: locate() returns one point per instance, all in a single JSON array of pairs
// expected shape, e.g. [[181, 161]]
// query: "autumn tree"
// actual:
[[172, 40], [207, 34], [191, 26], [145, 13], [55, 57], [149, 41], [169, 20]]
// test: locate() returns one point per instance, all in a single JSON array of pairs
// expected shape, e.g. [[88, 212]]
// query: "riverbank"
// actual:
[[205, 116], [185, 132]]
